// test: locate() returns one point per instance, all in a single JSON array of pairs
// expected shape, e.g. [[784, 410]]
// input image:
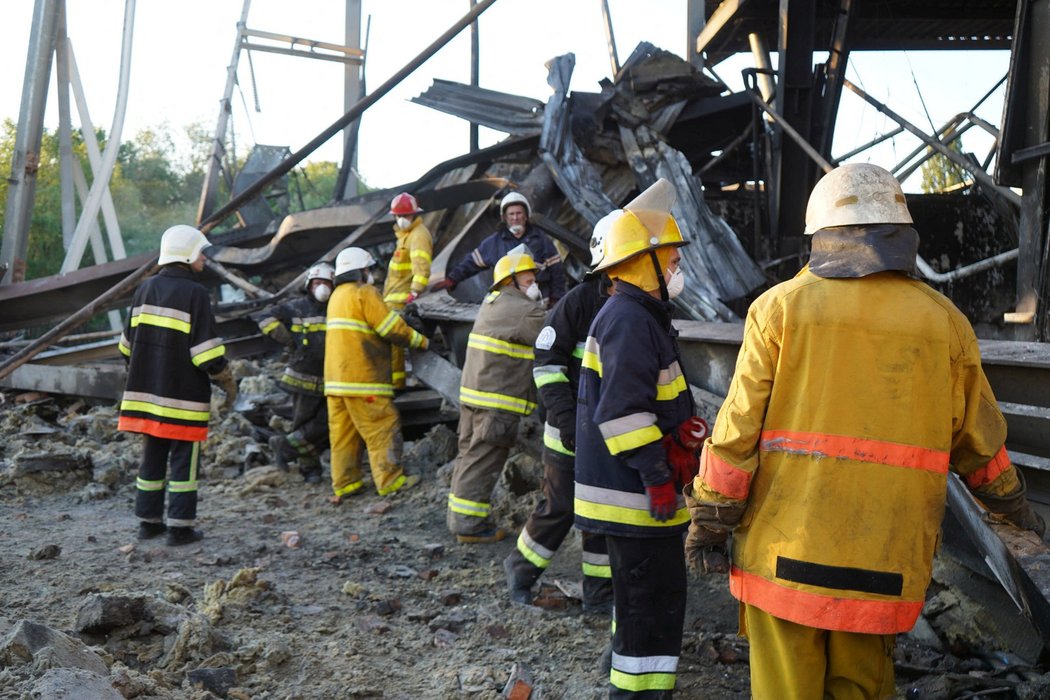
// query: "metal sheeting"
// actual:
[[501, 111]]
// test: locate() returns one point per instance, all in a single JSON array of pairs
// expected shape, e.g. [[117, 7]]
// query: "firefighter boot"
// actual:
[[282, 452], [148, 530], [597, 596], [310, 468], [520, 594], [178, 536]]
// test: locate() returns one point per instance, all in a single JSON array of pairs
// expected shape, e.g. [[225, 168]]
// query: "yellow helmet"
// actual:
[[512, 263], [643, 225]]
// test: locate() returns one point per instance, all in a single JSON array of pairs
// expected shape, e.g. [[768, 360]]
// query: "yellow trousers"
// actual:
[[356, 423], [794, 662]]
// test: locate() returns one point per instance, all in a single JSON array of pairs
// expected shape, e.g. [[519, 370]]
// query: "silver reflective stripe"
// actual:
[[536, 546], [162, 311], [205, 346], [596, 494], [551, 432], [645, 664], [163, 401], [549, 369], [595, 559], [626, 424], [666, 376]]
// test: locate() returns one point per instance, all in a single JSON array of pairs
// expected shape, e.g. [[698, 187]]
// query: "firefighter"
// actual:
[[299, 325], [559, 349], [357, 381], [409, 270], [173, 351], [857, 389], [514, 210], [496, 391], [633, 394]]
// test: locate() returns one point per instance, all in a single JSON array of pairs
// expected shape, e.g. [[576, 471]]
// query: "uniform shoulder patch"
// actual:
[[545, 340]]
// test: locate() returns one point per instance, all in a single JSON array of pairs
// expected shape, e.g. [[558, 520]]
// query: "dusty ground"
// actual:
[[378, 600]]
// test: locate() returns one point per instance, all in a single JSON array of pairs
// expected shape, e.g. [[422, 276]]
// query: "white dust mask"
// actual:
[[404, 223], [533, 292], [322, 293], [517, 229], [676, 284]]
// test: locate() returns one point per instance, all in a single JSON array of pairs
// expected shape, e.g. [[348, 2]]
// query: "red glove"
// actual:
[[412, 296], [684, 463], [691, 433], [447, 283], [663, 501]]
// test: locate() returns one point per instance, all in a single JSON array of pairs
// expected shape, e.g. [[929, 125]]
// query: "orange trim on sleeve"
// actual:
[[991, 471], [859, 449], [823, 611], [188, 433], [722, 477]]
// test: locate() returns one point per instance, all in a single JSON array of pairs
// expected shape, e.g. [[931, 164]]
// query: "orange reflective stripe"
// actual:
[[991, 471], [189, 433], [723, 477], [859, 449], [824, 611]]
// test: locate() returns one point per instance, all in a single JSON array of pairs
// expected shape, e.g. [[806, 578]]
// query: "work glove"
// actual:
[[684, 463], [663, 501], [282, 335], [447, 283], [705, 550], [412, 296], [566, 425], [225, 381], [1015, 508], [411, 316], [691, 432]]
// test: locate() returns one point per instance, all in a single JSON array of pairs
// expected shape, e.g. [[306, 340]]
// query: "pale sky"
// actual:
[[181, 51]]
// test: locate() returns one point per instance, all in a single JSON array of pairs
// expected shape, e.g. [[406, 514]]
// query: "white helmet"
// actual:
[[515, 198], [856, 194], [351, 259], [320, 271], [181, 244], [601, 229]]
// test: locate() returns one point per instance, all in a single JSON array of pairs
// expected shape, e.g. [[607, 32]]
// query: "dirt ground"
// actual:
[[377, 600]]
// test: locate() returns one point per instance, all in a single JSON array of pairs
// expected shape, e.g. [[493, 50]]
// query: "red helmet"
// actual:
[[404, 204]]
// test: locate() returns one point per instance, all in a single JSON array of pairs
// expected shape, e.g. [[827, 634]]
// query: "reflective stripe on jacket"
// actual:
[[632, 393], [360, 329], [852, 398], [172, 346], [559, 352], [409, 267], [497, 371], [304, 318], [549, 275]]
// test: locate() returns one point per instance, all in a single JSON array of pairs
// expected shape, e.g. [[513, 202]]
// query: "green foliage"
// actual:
[[940, 174]]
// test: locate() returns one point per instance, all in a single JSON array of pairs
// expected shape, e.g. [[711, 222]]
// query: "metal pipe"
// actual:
[[610, 37], [981, 176], [236, 280], [475, 72], [905, 174], [966, 270], [364, 103], [790, 131], [760, 54], [950, 124], [729, 148], [870, 144]]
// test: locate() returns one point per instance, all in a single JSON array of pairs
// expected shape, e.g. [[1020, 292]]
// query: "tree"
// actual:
[[940, 174]]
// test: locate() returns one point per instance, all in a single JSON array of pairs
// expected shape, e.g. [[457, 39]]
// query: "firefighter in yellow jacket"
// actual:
[[857, 389], [496, 391], [357, 383], [409, 270]]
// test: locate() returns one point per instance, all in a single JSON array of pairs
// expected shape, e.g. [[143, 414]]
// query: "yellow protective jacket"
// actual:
[[360, 329], [852, 399], [409, 268], [497, 371]]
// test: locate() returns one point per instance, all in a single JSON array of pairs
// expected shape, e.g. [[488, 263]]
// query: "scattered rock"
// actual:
[[519, 685], [401, 571], [32, 643], [453, 621], [100, 612], [291, 539], [216, 680], [450, 598], [434, 550], [47, 551], [74, 684], [380, 508], [444, 638], [388, 607], [354, 589]]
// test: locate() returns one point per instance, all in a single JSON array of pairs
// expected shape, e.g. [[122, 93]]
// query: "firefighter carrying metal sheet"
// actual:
[[173, 353], [409, 269], [299, 325], [632, 396], [857, 389], [559, 351], [357, 381], [496, 391]]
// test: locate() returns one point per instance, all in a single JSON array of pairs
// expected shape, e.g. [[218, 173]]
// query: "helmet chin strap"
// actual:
[[659, 276]]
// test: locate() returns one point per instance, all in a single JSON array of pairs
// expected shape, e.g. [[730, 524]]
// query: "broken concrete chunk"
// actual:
[[30, 642], [453, 621], [47, 551], [443, 638], [519, 685], [216, 680], [434, 550], [74, 684], [29, 462], [100, 613]]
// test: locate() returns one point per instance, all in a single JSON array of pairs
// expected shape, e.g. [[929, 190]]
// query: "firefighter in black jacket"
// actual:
[[299, 325], [559, 350], [172, 350]]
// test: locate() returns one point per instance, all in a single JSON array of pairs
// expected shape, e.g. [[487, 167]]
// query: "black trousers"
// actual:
[[309, 434], [547, 528], [181, 482], [649, 589]]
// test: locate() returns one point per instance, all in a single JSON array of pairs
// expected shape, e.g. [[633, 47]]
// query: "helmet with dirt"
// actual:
[[404, 204], [181, 244], [644, 224], [514, 198], [856, 194], [320, 271], [352, 259], [517, 260]]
